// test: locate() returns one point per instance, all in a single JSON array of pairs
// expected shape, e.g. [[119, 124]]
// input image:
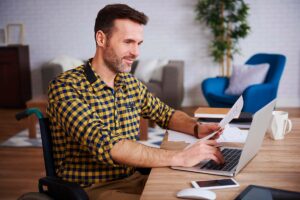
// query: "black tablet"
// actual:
[[266, 193]]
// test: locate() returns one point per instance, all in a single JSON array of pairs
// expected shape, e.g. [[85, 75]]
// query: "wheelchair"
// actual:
[[50, 187]]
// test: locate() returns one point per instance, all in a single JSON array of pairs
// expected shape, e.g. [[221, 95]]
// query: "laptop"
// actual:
[[237, 158]]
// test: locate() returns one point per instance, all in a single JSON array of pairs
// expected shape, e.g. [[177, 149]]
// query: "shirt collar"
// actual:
[[95, 79]]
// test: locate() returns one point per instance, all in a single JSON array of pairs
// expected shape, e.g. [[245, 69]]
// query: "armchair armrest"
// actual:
[[172, 83], [60, 189], [215, 85], [258, 95]]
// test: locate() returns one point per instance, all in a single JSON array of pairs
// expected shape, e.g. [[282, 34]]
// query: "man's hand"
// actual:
[[201, 150], [206, 129]]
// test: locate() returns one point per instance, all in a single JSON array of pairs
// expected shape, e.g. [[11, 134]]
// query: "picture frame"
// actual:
[[15, 34]]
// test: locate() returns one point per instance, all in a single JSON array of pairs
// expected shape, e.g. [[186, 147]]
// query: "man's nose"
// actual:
[[135, 50]]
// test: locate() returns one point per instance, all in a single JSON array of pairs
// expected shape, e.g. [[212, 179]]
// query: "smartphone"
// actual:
[[216, 184]]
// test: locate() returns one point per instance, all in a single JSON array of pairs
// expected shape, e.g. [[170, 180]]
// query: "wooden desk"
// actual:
[[276, 165]]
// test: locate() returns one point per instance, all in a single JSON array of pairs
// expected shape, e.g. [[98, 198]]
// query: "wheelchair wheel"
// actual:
[[34, 196]]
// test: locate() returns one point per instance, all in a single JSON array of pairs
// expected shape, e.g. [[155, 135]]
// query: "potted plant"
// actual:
[[228, 22]]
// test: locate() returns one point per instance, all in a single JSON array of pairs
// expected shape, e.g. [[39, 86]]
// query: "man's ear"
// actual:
[[101, 39]]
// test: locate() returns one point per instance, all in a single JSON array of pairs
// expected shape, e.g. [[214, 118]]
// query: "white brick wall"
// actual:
[[59, 27]]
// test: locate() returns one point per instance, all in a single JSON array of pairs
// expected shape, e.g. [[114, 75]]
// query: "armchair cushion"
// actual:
[[67, 62], [151, 69], [245, 75], [166, 80], [158, 71], [56, 66], [144, 69]]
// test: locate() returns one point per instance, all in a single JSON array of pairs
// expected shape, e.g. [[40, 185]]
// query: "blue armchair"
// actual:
[[255, 96]]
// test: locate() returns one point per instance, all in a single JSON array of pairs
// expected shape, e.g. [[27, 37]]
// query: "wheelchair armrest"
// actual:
[[60, 189]]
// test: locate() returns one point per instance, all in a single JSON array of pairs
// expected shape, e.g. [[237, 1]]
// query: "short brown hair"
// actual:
[[107, 15]]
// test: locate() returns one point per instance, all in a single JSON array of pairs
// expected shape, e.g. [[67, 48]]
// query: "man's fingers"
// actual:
[[214, 158], [216, 136], [215, 154], [200, 151], [213, 127], [210, 142], [220, 157], [217, 157]]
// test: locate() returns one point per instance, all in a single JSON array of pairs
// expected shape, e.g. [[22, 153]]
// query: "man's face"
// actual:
[[122, 48]]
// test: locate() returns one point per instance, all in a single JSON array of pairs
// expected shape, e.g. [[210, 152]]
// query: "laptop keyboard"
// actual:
[[231, 157]]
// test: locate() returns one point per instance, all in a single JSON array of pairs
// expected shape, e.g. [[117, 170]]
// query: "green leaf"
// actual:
[[231, 23]]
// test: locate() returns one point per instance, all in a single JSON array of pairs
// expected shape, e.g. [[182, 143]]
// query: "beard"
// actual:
[[113, 62]]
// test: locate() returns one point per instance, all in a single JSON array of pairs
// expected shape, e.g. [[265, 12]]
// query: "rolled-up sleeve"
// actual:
[[154, 109]]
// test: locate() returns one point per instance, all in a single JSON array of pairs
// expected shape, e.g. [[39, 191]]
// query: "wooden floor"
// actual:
[[20, 168]]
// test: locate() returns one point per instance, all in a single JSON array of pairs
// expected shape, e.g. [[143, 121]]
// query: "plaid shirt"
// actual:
[[87, 118]]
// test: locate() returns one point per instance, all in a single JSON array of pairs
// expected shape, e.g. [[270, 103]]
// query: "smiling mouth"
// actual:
[[129, 61]]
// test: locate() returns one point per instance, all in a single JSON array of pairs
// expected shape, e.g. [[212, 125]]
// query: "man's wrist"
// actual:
[[196, 130], [175, 159]]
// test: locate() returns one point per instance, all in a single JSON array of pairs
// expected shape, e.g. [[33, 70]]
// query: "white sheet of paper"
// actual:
[[230, 134], [234, 111], [233, 134], [175, 136]]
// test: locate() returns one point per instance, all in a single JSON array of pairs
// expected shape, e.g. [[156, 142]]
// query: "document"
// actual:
[[176, 136], [234, 111], [233, 134], [230, 134]]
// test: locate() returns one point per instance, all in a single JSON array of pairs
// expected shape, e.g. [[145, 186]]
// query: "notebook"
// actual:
[[235, 163]]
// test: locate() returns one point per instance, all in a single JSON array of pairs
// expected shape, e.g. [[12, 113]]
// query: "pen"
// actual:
[[207, 138], [210, 135]]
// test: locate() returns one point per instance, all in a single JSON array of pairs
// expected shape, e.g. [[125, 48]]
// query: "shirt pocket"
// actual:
[[130, 117]]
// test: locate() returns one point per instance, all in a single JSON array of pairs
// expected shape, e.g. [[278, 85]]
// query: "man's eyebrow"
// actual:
[[132, 40]]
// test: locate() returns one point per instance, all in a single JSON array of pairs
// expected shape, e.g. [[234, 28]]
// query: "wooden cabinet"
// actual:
[[15, 81]]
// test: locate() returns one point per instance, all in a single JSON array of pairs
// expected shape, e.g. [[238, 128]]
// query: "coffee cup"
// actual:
[[280, 125]]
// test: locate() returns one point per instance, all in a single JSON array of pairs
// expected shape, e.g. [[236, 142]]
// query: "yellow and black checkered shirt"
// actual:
[[87, 118]]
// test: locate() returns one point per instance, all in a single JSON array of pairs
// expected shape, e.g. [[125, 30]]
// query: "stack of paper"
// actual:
[[230, 134]]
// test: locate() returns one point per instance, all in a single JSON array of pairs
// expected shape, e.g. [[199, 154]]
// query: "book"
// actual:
[[241, 125], [217, 114], [207, 112]]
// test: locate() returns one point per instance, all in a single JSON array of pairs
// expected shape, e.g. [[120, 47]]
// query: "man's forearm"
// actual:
[[138, 155], [134, 154], [181, 122]]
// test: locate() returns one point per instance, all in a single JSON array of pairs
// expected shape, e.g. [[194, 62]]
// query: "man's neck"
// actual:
[[106, 74]]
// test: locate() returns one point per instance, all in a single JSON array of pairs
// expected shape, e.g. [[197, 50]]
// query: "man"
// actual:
[[95, 110]]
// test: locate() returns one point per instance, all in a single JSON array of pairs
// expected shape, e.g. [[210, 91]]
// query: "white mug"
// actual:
[[280, 125]]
